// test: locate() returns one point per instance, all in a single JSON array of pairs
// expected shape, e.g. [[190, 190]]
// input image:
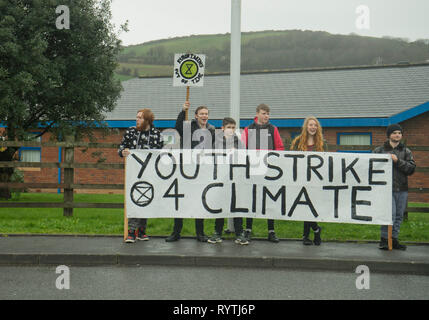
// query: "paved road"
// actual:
[[203, 283]]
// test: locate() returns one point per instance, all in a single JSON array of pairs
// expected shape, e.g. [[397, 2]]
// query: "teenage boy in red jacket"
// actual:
[[262, 135]]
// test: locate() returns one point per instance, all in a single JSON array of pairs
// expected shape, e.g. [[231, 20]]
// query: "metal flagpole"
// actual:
[[235, 59], [235, 69]]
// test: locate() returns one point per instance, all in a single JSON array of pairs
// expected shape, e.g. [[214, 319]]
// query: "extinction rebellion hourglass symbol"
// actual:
[[189, 69], [142, 193]]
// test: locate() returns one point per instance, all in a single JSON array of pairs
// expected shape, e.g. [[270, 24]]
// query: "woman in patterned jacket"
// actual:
[[143, 136]]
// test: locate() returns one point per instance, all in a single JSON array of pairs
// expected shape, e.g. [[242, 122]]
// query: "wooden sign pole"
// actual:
[[187, 99], [125, 205], [389, 237]]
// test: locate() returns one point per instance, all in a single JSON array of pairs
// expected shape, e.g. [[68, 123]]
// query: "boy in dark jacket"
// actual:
[[203, 139], [403, 166], [227, 141]]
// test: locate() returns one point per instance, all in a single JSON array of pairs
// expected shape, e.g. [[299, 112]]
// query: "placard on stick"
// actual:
[[189, 70]]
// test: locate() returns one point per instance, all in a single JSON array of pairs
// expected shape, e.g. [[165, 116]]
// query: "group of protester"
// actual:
[[145, 136]]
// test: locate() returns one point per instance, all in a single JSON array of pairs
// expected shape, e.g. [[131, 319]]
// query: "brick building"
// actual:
[[353, 104]]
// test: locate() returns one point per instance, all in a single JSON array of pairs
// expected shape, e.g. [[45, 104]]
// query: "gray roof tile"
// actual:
[[352, 92]]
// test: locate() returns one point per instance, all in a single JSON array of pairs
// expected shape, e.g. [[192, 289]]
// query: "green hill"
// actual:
[[272, 50]]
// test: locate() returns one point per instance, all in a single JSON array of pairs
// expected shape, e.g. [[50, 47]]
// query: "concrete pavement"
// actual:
[[30, 250]]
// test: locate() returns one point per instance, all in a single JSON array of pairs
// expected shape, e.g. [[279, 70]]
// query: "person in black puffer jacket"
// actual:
[[403, 166]]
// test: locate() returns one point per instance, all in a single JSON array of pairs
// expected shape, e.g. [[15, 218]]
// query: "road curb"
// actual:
[[78, 259], [19, 259], [137, 260], [296, 263]]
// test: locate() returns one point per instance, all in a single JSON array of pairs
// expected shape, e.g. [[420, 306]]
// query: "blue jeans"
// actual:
[[399, 203]]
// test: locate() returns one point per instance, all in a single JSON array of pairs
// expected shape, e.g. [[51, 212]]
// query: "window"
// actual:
[[294, 134], [30, 154], [288, 141], [171, 139], [354, 139]]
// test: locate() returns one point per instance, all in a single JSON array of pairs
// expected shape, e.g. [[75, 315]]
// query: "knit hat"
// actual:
[[392, 128]]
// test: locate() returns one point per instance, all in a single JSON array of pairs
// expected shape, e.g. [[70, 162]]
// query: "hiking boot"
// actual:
[[248, 235], [383, 244], [272, 237], [396, 245], [202, 238], [141, 235], [306, 241], [131, 237], [173, 237], [317, 239], [241, 239], [216, 238]]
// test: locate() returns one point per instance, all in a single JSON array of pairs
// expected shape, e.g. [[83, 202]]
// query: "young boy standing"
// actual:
[[228, 141]]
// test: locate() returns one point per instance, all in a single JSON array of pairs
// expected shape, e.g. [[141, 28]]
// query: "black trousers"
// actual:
[[178, 225], [307, 225], [238, 225], [249, 224]]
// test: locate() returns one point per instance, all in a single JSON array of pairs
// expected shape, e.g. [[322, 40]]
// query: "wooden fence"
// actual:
[[69, 165], [68, 185]]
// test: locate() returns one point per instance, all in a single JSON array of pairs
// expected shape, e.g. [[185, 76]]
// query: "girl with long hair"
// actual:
[[310, 139]]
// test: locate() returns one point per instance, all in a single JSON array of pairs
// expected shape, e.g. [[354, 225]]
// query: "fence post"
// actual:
[[68, 176]]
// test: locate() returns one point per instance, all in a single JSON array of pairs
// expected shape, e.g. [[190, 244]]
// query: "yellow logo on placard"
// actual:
[[188, 69]]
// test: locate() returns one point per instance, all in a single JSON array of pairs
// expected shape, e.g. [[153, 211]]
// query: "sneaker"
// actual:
[[306, 241], [383, 245], [248, 234], [241, 239], [396, 245], [317, 239], [202, 238], [272, 237], [131, 237], [173, 237], [216, 238], [141, 235]]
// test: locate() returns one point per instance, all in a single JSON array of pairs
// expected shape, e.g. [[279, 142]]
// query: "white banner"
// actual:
[[283, 185], [189, 70]]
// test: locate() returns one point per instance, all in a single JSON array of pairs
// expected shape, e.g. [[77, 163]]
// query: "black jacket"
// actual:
[[222, 143], [401, 169], [134, 139], [205, 134]]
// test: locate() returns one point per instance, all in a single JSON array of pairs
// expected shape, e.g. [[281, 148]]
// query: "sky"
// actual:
[[161, 19]]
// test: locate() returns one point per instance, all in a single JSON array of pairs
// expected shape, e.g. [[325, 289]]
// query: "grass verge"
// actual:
[[110, 222]]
